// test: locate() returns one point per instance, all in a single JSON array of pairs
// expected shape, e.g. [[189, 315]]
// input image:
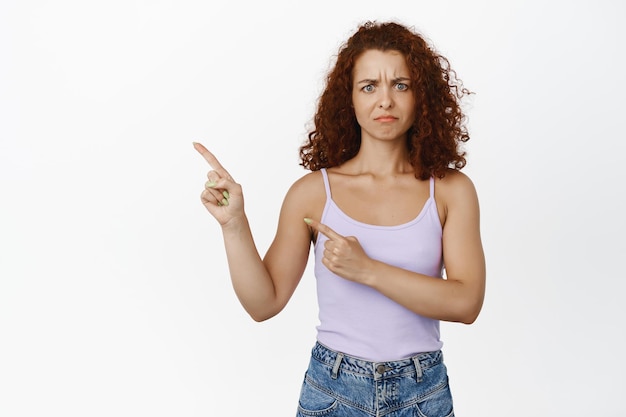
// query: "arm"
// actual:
[[262, 286], [457, 298]]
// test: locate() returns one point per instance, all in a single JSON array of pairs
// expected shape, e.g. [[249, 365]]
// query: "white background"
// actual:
[[114, 294]]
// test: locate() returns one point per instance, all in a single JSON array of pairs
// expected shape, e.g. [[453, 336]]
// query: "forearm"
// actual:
[[460, 296], [250, 279], [262, 286], [441, 299]]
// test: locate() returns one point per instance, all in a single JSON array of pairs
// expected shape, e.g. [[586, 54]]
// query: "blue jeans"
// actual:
[[341, 385]]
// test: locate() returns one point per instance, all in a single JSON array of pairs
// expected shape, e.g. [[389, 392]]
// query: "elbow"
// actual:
[[261, 316], [256, 317], [468, 319], [262, 310], [471, 316], [467, 306], [468, 313]]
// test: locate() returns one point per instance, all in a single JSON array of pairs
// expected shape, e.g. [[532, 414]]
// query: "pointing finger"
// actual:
[[323, 229], [211, 159]]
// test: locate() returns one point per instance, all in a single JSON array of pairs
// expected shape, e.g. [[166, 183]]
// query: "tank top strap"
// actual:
[[432, 187], [326, 183]]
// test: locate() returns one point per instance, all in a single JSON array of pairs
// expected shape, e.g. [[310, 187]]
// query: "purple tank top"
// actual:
[[358, 320]]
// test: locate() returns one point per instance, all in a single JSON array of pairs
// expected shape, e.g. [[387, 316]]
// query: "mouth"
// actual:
[[386, 119]]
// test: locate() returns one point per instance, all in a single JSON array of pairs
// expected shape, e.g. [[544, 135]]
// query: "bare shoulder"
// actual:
[[311, 183], [455, 185], [455, 192], [307, 194]]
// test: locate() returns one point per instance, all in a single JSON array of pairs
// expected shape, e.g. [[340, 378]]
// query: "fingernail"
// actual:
[[225, 194], [307, 220], [210, 184], [224, 202]]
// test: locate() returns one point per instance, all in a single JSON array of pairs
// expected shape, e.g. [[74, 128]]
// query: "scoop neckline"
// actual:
[[352, 220]]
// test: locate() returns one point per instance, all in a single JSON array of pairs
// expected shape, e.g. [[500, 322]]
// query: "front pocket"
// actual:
[[437, 404], [314, 402]]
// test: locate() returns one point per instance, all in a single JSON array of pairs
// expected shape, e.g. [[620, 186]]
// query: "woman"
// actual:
[[386, 207]]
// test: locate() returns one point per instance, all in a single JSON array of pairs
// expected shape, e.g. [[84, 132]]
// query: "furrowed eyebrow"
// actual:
[[372, 81]]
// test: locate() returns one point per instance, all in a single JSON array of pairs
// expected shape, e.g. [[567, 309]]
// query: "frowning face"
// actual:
[[383, 101]]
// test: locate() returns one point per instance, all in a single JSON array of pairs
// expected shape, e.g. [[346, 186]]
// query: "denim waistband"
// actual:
[[346, 363]]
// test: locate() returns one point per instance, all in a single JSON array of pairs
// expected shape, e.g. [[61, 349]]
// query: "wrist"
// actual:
[[371, 273], [235, 225]]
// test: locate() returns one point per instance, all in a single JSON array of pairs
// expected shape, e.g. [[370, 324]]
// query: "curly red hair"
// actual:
[[435, 137]]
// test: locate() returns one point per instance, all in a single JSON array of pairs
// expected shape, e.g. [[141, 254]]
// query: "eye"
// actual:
[[402, 86], [368, 88]]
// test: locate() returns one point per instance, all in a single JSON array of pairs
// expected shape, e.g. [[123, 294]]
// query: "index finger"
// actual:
[[211, 159], [323, 229]]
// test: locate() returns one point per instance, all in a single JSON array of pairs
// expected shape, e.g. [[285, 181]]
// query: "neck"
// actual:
[[382, 158]]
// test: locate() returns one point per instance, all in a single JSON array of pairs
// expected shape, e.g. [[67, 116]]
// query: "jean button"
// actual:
[[380, 369]]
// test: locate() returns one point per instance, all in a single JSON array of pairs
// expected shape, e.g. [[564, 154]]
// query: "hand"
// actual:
[[343, 255], [222, 196]]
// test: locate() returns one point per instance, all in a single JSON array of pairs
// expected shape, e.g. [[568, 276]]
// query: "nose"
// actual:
[[385, 101]]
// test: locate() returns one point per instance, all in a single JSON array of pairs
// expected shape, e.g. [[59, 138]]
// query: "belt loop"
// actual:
[[336, 365], [418, 368]]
